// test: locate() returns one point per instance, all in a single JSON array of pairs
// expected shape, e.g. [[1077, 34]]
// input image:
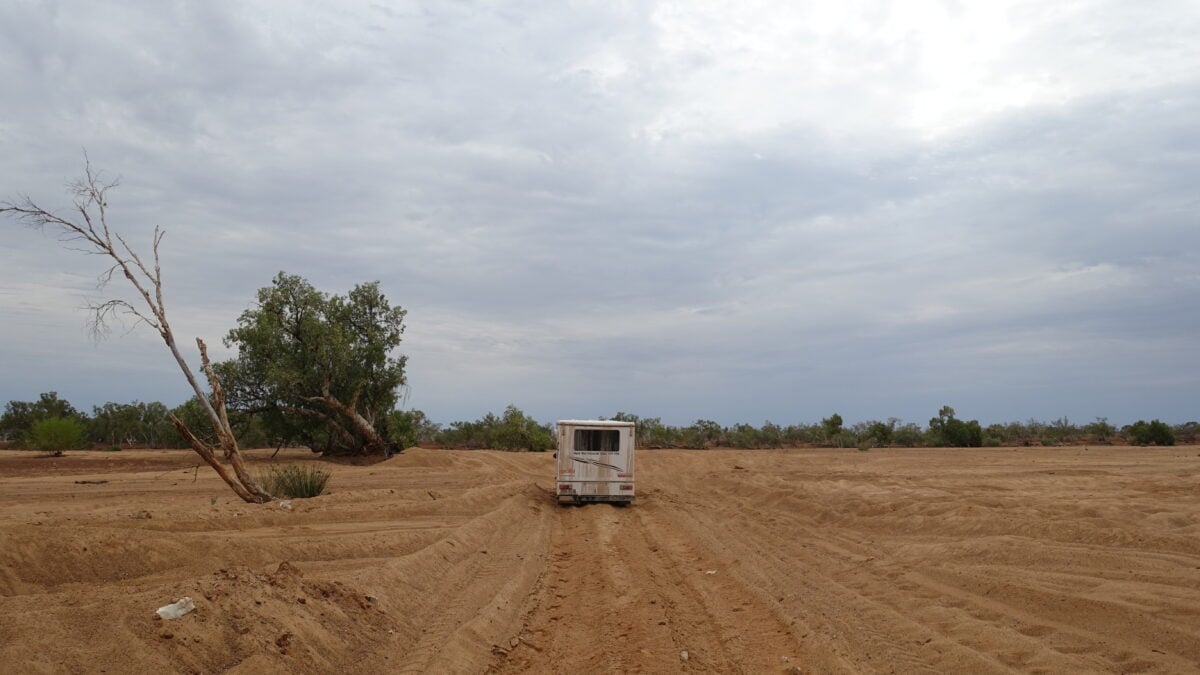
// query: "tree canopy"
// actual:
[[946, 430], [319, 369], [20, 416]]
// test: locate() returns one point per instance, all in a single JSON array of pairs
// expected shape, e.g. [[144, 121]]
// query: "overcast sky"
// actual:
[[734, 211]]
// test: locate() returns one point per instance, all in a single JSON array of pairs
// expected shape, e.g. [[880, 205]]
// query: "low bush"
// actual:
[[294, 481], [1155, 432], [55, 434]]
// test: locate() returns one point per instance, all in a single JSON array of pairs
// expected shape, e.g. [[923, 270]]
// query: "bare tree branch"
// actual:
[[92, 227]]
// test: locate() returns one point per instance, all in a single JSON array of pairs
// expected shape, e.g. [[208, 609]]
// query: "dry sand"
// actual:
[[965, 561]]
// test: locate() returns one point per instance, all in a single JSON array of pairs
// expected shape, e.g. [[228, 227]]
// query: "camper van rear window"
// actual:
[[597, 440]]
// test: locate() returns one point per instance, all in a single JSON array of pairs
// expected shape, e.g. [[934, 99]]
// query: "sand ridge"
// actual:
[[993, 560]]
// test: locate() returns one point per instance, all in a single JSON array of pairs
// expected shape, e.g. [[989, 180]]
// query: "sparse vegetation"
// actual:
[[514, 430], [113, 426], [294, 481]]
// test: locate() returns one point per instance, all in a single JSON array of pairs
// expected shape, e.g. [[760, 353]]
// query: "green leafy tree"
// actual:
[[702, 434], [20, 416], [1187, 432], [56, 434], [881, 433], [946, 430], [192, 414], [801, 434], [148, 424], [319, 368], [411, 427], [115, 424], [517, 431], [650, 432], [832, 427], [1100, 430], [770, 435], [909, 435], [1154, 432]]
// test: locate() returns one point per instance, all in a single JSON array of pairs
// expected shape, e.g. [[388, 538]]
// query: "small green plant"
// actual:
[[294, 481], [864, 446]]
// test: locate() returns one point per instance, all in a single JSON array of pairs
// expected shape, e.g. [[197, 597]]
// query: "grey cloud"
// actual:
[[577, 227]]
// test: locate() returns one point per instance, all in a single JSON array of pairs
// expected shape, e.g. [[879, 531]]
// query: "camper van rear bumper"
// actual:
[[586, 499], [578, 492]]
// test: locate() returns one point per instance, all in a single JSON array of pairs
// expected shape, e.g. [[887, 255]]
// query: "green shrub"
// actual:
[[294, 481], [407, 428], [1155, 432], [881, 433], [55, 434]]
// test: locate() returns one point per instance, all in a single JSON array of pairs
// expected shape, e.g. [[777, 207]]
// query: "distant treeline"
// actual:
[[515, 431], [53, 423]]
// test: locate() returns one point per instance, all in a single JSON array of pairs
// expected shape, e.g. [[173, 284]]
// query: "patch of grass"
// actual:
[[294, 481]]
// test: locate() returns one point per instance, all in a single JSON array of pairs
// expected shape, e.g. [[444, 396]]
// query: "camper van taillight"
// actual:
[[624, 475], [564, 487], [627, 486]]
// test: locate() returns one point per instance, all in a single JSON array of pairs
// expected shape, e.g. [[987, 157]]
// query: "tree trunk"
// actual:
[[354, 424], [206, 453], [96, 237]]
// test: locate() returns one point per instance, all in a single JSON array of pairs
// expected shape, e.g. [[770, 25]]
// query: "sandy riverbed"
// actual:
[[1033, 560]]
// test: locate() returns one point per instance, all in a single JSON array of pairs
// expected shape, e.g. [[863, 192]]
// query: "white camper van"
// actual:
[[595, 461]]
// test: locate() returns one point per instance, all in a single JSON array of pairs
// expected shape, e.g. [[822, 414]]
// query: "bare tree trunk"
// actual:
[[225, 435], [206, 453], [91, 228]]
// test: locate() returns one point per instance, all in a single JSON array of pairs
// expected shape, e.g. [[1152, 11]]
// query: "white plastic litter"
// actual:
[[176, 609], [285, 504]]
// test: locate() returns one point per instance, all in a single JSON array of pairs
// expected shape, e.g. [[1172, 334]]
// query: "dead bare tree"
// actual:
[[87, 231]]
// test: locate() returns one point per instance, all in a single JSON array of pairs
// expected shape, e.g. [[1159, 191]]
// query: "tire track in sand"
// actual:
[[625, 593]]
